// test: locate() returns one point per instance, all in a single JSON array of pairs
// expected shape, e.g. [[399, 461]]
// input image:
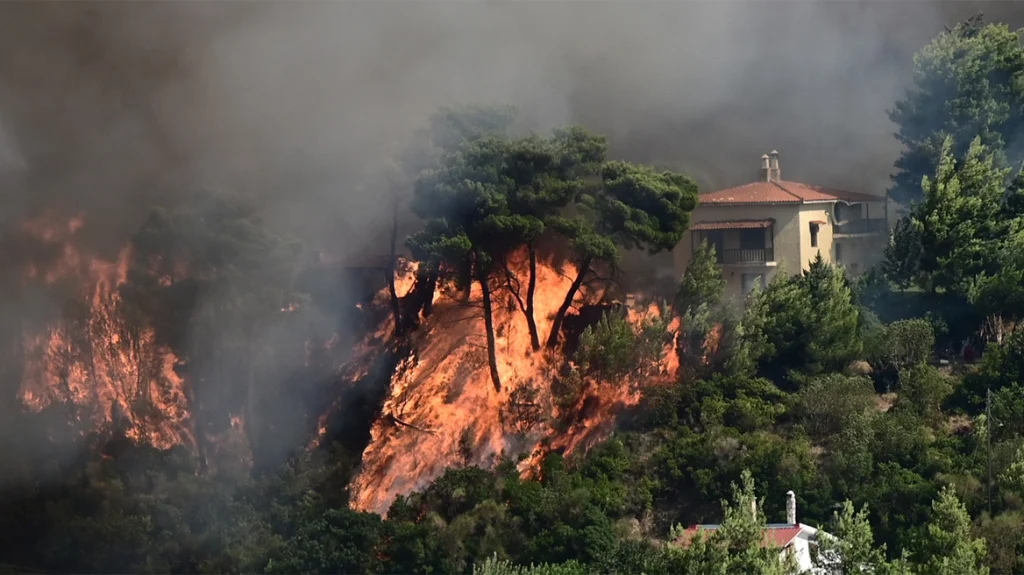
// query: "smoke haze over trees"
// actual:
[[127, 104]]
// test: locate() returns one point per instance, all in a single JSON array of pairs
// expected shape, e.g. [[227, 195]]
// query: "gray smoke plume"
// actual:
[[124, 105]]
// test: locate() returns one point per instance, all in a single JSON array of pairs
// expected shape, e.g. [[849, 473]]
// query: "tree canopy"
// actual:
[[968, 83]]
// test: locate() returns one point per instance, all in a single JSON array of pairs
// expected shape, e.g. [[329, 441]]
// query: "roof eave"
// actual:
[[787, 203]]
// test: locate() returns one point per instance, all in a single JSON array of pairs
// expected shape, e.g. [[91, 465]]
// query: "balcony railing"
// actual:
[[866, 226], [746, 256]]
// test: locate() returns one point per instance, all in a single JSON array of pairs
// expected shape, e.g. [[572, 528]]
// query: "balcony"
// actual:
[[860, 227], [746, 256]]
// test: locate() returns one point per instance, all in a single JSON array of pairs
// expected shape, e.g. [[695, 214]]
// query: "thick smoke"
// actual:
[[117, 105], [111, 108]]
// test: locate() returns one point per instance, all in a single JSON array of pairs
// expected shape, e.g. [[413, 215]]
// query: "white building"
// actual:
[[791, 537]]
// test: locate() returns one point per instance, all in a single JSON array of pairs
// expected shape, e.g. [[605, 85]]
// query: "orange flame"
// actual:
[[98, 362], [443, 411]]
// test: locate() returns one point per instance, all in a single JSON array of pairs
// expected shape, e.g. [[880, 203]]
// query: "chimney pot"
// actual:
[[765, 169], [791, 508], [774, 173]]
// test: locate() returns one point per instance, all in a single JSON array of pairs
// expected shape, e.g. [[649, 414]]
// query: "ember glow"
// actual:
[[110, 372]]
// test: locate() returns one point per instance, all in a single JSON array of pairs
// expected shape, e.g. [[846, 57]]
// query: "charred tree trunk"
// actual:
[[419, 299], [530, 290], [428, 295], [396, 308], [492, 357], [556, 325]]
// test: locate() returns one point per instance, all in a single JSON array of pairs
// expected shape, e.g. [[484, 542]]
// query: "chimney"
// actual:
[[774, 173], [791, 508], [766, 174]]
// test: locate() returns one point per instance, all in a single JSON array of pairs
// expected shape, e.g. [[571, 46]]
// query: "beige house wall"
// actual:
[[815, 213], [792, 241], [786, 242]]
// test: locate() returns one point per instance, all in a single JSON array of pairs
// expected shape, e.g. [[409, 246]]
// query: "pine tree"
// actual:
[[958, 221], [849, 547], [633, 207], [949, 546], [968, 83], [902, 260], [702, 283]]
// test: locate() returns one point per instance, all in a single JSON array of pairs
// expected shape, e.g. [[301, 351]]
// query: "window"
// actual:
[[752, 239], [814, 235], [839, 212], [839, 253], [714, 238], [749, 281]]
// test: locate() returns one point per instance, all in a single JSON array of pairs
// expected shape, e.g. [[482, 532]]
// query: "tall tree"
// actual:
[[849, 548], [486, 201], [902, 260], [958, 220], [492, 197], [634, 207], [702, 282], [968, 83], [449, 130], [949, 546], [546, 176]]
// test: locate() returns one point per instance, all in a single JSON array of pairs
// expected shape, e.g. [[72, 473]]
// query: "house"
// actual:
[[760, 227], [790, 537]]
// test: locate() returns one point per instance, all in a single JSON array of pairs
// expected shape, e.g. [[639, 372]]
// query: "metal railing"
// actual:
[[744, 256], [865, 226]]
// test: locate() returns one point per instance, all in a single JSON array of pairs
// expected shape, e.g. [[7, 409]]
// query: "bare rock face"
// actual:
[[859, 367]]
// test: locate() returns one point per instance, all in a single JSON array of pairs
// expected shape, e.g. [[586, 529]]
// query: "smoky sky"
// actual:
[[111, 108]]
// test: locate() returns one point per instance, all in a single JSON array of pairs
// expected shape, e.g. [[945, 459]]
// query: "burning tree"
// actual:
[[633, 207], [216, 285], [449, 130], [490, 199]]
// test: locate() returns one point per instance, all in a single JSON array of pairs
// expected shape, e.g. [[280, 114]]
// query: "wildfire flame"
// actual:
[[109, 371]]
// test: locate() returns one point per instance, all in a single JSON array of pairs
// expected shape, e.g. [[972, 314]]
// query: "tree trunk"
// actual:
[[556, 326], [250, 394], [396, 309], [420, 299], [492, 357], [530, 290], [431, 286], [197, 422]]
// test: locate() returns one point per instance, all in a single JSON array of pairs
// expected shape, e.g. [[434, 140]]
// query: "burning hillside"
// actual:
[[442, 410], [98, 359], [101, 356]]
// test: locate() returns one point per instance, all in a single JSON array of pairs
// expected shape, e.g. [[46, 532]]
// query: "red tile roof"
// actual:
[[774, 535], [732, 225], [782, 192]]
